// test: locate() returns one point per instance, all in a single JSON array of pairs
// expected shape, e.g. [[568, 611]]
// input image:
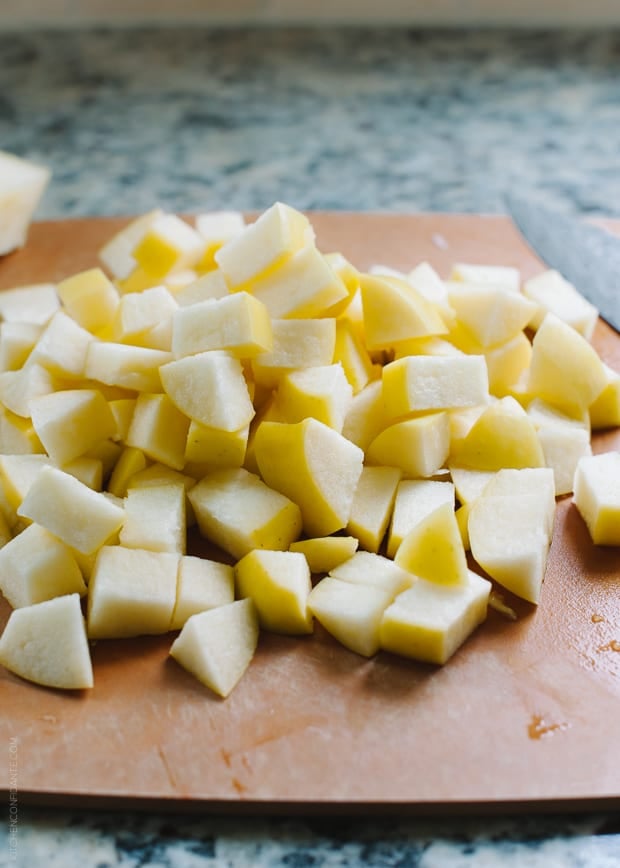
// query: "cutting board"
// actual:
[[525, 715]]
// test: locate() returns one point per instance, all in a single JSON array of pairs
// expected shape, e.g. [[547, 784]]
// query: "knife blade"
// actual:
[[586, 255]]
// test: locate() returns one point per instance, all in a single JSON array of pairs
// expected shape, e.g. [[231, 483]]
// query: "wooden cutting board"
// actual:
[[524, 716]]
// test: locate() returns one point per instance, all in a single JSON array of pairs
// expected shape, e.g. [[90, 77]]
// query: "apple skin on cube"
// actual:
[[210, 388], [132, 592], [350, 612], [394, 311], [218, 645], [238, 512], [597, 496], [433, 549], [116, 254], [373, 570], [82, 518], [491, 314], [419, 446], [415, 499], [373, 504], [429, 622], [313, 465], [422, 383], [46, 643], [321, 391], [89, 298], [159, 429], [35, 566], [278, 583], [324, 553]]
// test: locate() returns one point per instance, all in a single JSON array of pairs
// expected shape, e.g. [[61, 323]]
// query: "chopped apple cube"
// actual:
[[36, 566], [18, 388], [507, 363], [350, 351], [433, 549], [429, 622], [84, 519], [62, 347], [140, 312], [35, 303], [351, 613], [264, 245], [132, 592], [418, 446], [492, 315], [126, 366], [238, 323], [605, 410], [322, 392], [369, 568], [201, 584], [503, 435], [373, 503], [155, 518], [313, 465], [554, 294], [17, 340], [218, 645], [278, 583], [46, 643], [415, 499], [159, 430], [324, 553], [297, 343], [88, 470], [597, 496], [22, 184], [504, 276], [89, 298], [71, 421], [422, 383], [210, 388], [238, 512], [366, 416], [394, 311], [168, 244], [208, 286]]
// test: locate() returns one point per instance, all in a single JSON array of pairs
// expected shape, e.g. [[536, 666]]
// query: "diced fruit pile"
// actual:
[[351, 442]]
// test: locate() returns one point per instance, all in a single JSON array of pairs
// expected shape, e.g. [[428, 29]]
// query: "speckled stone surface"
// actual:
[[362, 119], [370, 120]]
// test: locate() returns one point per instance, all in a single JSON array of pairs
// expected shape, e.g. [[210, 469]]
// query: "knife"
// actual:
[[586, 255]]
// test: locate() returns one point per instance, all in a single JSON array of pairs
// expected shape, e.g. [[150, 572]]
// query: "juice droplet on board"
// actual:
[[612, 645], [596, 618], [538, 728]]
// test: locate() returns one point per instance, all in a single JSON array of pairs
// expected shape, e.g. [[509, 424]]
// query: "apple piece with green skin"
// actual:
[[218, 645], [315, 466], [46, 643], [430, 621], [278, 583]]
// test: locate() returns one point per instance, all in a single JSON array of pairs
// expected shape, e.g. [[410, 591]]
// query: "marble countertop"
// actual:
[[356, 119]]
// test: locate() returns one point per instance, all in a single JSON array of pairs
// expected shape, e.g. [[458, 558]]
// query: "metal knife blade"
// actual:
[[586, 255]]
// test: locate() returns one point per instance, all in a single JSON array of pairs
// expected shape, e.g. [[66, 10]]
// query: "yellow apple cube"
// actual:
[[210, 388], [351, 613], [366, 416], [168, 244], [238, 323], [72, 421], [605, 410], [201, 584], [430, 621], [371, 569], [278, 583], [218, 645], [507, 363], [422, 383], [502, 436], [419, 447], [552, 293], [46, 643], [19, 388], [394, 311], [597, 496], [89, 298], [491, 314], [433, 549], [215, 448], [116, 254], [159, 430], [132, 592], [324, 553], [35, 304], [155, 518], [140, 312], [297, 343], [62, 347], [264, 245], [415, 500], [501, 276], [322, 392], [304, 286], [82, 518], [350, 351], [313, 465], [126, 366], [373, 504], [565, 370], [36, 566], [17, 340], [238, 512]]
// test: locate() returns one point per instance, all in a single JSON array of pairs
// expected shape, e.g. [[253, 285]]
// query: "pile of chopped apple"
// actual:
[[351, 442]]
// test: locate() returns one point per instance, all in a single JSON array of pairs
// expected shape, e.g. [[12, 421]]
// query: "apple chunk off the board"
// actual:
[[347, 439]]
